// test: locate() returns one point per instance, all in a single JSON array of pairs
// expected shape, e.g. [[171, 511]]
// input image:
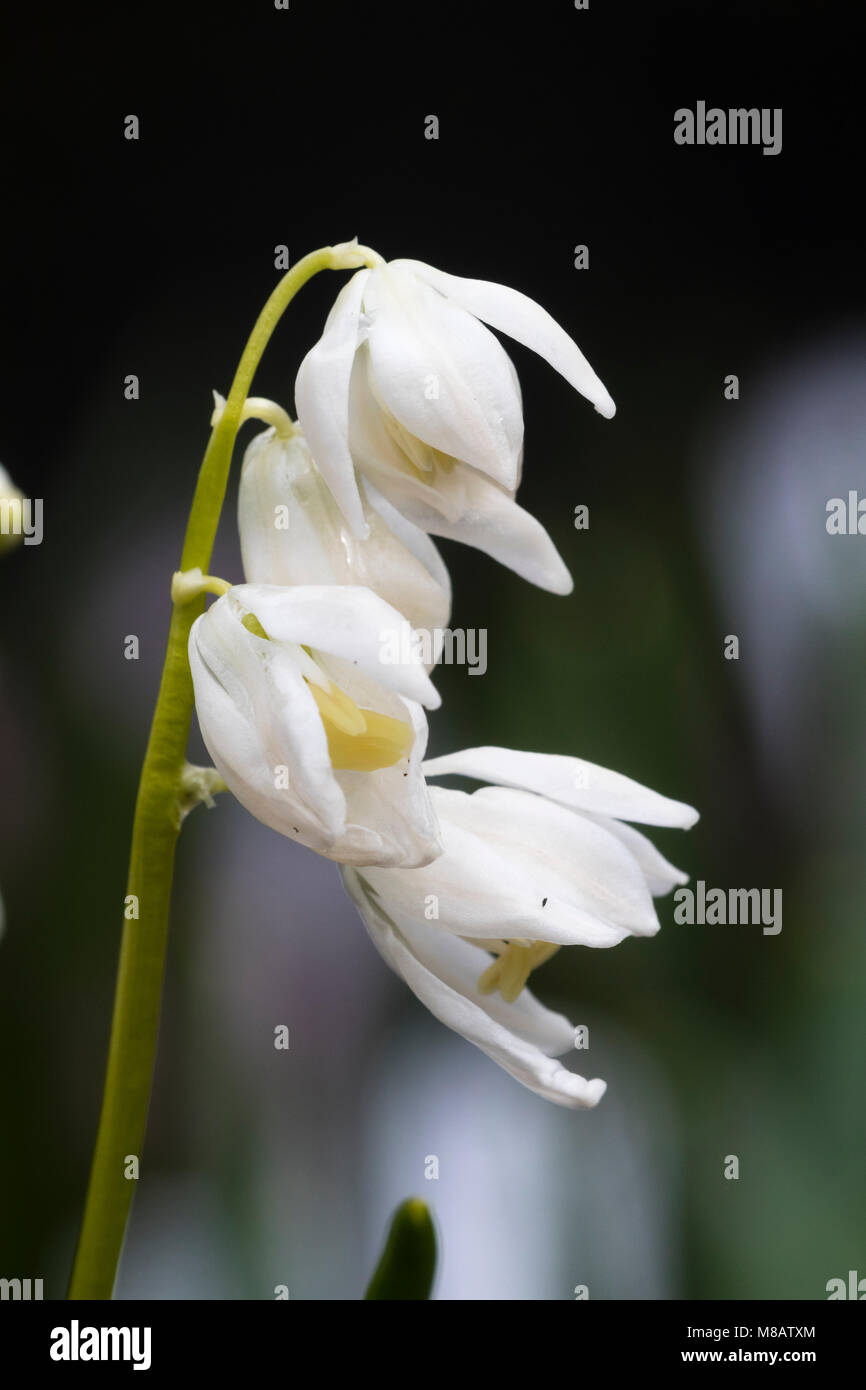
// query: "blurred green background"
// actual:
[[707, 518]]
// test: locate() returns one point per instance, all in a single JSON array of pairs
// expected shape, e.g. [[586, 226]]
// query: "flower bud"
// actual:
[[293, 532]]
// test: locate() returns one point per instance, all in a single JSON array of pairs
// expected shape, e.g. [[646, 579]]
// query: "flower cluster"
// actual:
[[410, 425]]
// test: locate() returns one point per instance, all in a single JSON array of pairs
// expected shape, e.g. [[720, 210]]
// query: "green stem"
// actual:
[[135, 1022]]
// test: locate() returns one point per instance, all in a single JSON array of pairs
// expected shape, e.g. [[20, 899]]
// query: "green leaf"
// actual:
[[408, 1261]]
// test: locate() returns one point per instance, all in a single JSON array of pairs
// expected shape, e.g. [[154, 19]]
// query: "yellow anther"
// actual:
[[423, 460], [516, 961], [359, 740], [515, 970], [337, 709]]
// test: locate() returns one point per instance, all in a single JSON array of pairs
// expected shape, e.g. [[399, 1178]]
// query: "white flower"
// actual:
[[293, 532], [409, 386], [539, 861], [310, 730], [11, 501]]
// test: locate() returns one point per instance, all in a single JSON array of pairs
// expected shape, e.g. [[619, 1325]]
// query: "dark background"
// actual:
[[261, 127]]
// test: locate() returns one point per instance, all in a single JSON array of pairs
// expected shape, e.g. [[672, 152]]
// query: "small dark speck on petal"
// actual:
[[544, 902]]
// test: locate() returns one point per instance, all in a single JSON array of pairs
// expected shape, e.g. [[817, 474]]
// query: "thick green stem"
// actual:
[[135, 1023]]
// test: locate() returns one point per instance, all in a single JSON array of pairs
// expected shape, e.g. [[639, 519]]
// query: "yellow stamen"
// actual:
[[422, 459], [516, 960], [359, 740], [337, 709], [514, 971]]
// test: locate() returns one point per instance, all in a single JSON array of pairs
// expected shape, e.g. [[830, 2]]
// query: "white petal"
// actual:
[[390, 820], [412, 537], [589, 871], [661, 876], [570, 781], [322, 399], [509, 311], [460, 965], [466, 1015], [257, 716], [380, 459], [457, 503], [443, 375], [313, 543], [518, 866], [348, 621], [281, 473], [491, 521]]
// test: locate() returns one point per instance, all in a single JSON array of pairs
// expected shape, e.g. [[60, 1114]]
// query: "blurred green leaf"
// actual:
[[408, 1261]]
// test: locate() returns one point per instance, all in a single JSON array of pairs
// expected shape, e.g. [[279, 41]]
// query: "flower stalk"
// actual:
[[160, 806]]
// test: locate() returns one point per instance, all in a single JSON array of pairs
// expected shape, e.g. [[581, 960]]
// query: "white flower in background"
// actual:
[[8, 537], [538, 861], [409, 386], [309, 729], [11, 500], [293, 532]]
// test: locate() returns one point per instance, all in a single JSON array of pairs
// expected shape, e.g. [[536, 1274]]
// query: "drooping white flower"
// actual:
[[538, 861], [310, 730], [407, 385], [293, 532]]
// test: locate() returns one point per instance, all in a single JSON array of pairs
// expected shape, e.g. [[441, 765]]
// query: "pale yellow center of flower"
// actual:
[[516, 960], [359, 740], [421, 459]]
